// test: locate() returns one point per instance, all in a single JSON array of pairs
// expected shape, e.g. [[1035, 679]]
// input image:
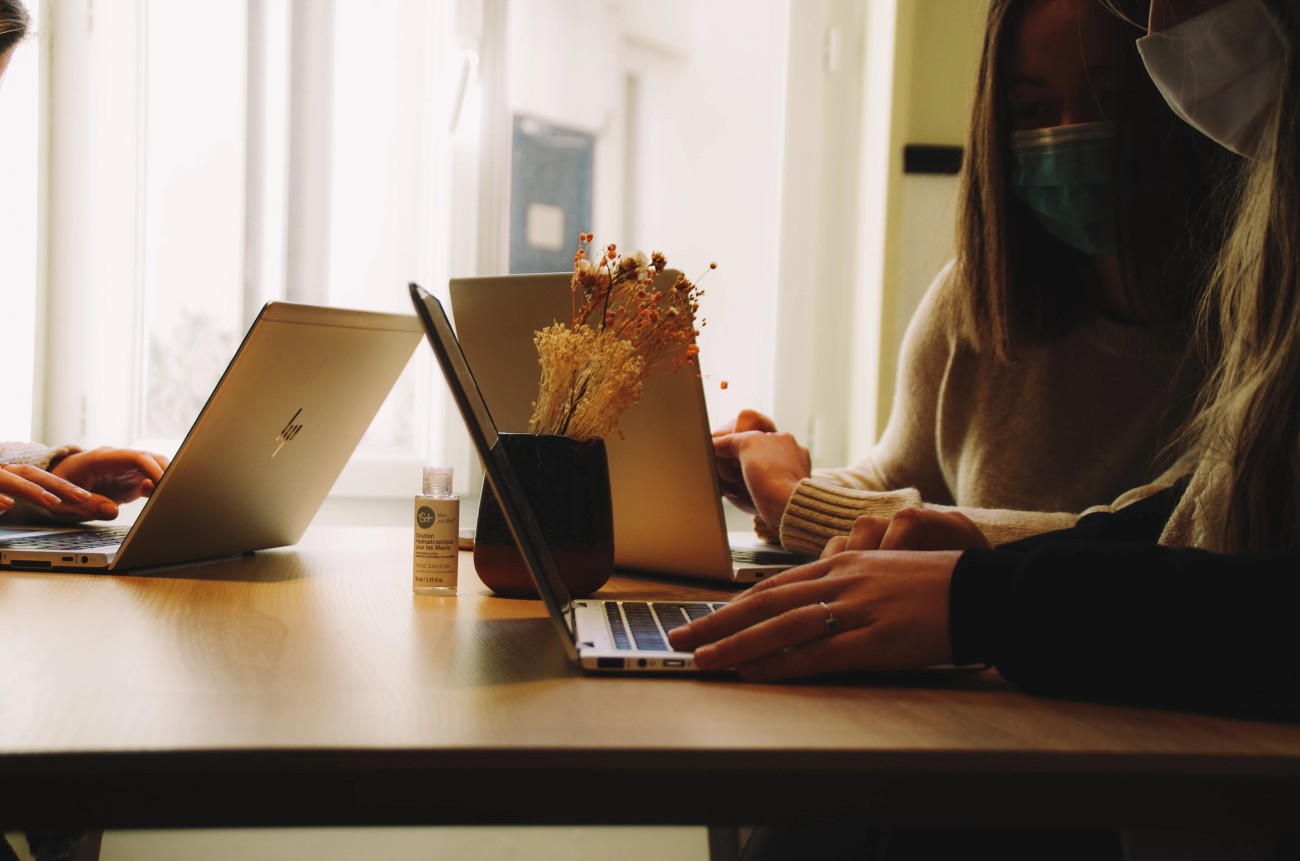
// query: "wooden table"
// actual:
[[307, 686]]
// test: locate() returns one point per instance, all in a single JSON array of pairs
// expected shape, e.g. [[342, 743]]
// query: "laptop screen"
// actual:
[[500, 474]]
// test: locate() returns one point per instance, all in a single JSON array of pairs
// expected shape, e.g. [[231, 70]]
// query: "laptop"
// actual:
[[600, 635], [268, 445], [662, 474]]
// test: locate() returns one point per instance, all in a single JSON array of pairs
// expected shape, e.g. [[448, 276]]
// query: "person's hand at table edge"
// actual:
[[881, 610]]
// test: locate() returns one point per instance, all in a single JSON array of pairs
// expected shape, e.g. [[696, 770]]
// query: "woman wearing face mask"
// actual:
[[1185, 599], [1044, 370]]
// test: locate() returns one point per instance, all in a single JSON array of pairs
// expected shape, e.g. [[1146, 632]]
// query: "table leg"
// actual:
[[87, 848], [724, 843]]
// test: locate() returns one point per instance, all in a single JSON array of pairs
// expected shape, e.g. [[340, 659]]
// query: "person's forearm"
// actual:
[[1135, 622], [1141, 520], [818, 511]]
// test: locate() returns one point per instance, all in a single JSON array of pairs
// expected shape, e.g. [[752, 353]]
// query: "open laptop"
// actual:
[[600, 635], [662, 473], [263, 453]]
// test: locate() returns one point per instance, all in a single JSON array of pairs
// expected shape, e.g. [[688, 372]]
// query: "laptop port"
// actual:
[[609, 663], [674, 662]]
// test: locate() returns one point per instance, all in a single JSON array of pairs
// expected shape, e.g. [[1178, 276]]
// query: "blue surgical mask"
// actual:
[[1065, 174], [1220, 71]]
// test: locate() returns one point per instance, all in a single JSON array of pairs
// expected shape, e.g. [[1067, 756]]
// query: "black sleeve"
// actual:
[[1134, 622]]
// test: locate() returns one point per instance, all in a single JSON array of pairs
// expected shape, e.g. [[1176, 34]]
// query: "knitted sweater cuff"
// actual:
[[818, 511], [34, 454]]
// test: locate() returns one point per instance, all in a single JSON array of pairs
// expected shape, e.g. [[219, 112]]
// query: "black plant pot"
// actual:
[[567, 483]]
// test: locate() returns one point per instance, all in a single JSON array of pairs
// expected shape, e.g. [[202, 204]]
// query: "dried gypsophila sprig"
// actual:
[[623, 330], [588, 379]]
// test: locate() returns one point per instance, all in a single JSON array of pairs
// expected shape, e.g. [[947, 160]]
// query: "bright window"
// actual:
[[285, 149], [330, 151]]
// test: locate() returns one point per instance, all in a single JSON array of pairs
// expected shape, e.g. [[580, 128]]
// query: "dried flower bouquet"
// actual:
[[623, 330]]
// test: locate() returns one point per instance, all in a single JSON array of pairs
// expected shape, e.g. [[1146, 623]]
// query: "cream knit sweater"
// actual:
[[1021, 448]]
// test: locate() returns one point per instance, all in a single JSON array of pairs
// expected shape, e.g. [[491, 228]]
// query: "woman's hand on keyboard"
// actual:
[[877, 610], [759, 466], [112, 476], [35, 485]]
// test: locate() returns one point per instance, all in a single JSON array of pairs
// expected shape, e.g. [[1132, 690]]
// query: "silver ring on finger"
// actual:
[[832, 623]]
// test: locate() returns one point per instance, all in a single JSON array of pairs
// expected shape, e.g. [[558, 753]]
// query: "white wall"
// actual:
[[936, 46], [709, 150], [825, 237]]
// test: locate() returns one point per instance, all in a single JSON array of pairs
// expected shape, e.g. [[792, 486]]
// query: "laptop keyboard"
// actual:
[[644, 625], [91, 537]]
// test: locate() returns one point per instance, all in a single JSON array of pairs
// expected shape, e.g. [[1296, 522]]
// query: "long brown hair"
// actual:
[[1018, 284], [13, 24], [1248, 430]]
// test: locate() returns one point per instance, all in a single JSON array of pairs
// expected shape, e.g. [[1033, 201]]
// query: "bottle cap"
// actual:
[[437, 481]]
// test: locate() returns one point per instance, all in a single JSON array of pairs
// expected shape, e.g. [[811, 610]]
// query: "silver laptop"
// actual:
[[601, 636], [263, 453], [668, 516]]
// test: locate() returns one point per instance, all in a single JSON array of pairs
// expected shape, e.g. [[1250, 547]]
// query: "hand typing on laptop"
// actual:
[[882, 610], [759, 468], [83, 485], [850, 610], [867, 604]]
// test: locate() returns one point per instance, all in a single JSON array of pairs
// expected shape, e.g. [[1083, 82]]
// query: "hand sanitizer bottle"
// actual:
[[437, 527]]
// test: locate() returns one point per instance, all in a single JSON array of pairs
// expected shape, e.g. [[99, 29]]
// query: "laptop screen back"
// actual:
[[273, 437], [668, 515], [500, 475]]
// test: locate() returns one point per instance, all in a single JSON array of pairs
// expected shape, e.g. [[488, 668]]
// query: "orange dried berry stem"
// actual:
[[621, 331]]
